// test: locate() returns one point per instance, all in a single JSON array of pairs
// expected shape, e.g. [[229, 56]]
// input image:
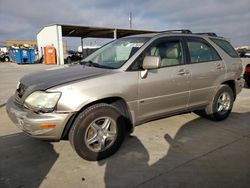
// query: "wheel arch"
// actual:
[[231, 84], [117, 102]]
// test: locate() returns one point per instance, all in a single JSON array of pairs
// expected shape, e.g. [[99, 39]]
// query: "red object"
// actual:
[[247, 69], [49, 55]]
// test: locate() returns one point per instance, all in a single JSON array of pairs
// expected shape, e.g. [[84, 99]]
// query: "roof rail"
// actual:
[[208, 34], [183, 31]]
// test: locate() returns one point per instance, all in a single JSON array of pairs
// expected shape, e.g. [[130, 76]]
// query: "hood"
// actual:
[[44, 80]]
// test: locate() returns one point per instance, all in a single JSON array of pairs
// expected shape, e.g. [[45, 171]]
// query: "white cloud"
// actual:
[[229, 18]]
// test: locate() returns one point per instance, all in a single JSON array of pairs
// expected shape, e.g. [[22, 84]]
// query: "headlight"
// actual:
[[42, 101]]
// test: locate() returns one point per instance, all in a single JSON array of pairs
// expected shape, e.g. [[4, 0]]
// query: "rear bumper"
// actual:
[[30, 122]]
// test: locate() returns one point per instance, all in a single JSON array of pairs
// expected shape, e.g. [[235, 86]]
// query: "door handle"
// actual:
[[219, 66]]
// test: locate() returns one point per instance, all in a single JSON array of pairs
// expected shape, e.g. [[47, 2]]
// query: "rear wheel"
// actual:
[[97, 132], [221, 105]]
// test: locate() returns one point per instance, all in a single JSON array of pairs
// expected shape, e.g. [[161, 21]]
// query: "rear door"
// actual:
[[206, 70]]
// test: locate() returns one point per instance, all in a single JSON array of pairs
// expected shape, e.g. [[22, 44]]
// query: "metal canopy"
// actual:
[[99, 32]]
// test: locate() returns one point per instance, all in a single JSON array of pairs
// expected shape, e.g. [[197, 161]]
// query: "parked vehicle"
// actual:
[[73, 57], [247, 75], [4, 57], [127, 82], [244, 54]]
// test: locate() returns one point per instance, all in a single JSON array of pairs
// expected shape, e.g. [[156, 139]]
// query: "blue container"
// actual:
[[21, 56]]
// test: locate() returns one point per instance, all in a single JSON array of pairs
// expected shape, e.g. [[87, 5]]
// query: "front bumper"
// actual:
[[30, 122]]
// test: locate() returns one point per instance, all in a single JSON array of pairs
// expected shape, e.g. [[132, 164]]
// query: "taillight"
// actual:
[[247, 69]]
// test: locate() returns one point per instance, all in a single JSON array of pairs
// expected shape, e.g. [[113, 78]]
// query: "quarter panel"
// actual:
[[205, 77]]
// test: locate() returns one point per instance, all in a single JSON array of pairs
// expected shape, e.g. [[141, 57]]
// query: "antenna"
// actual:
[[130, 20]]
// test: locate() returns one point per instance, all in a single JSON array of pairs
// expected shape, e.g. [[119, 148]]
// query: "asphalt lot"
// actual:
[[180, 151]]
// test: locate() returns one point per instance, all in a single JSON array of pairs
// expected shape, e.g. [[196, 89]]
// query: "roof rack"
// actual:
[[183, 31], [208, 34]]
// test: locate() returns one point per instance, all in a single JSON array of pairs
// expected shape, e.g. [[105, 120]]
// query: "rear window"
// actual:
[[225, 46]]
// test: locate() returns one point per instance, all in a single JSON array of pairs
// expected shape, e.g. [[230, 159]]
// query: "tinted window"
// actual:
[[226, 46], [201, 52]]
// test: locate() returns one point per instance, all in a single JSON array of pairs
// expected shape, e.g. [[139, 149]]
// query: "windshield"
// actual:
[[116, 53]]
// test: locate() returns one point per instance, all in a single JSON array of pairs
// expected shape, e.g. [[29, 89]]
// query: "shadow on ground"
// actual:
[[201, 154], [24, 162]]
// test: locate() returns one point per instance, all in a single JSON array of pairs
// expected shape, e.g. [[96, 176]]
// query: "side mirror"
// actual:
[[151, 62]]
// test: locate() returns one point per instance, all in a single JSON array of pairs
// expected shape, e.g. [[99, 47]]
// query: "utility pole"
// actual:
[[130, 20]]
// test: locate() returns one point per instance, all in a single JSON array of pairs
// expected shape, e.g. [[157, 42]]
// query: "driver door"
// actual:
[[164, 90]]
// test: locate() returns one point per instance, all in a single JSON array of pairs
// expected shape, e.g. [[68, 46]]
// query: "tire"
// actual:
[[6, 59], [221, 105], [97, 132]]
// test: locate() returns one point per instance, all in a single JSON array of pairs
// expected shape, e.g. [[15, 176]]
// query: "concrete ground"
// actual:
[[176, 152], [10, 73]]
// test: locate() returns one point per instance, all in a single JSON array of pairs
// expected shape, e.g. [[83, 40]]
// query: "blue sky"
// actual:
[[22, 19]]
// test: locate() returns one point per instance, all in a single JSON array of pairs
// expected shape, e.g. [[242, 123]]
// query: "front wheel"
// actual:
[[97, 132]]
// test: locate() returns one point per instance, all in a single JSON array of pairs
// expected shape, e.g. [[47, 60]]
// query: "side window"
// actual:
[[226, 46], [171, 53], [201, 52]]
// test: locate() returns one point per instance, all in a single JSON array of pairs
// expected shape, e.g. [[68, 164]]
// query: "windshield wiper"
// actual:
[[92, 64], [89, 63]]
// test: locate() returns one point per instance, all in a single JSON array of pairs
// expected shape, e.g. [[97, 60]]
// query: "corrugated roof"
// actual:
[[98, 32]]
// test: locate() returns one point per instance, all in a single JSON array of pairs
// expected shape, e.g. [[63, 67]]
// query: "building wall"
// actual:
[[51, 36]]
